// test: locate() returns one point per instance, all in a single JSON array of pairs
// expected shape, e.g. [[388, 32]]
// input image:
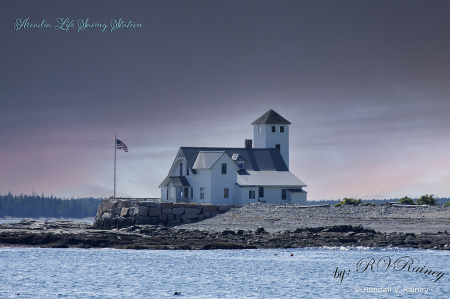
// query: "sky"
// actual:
[[365, 85]]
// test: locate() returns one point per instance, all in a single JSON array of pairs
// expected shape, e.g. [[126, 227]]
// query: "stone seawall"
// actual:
[[119, 213]]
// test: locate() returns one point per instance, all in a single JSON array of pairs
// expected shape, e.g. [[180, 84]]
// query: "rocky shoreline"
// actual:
[[252, 227]]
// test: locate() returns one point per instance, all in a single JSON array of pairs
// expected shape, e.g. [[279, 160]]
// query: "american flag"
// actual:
[[121, 145]]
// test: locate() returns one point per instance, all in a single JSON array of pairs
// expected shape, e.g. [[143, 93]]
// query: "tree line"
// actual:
[[35, 206]]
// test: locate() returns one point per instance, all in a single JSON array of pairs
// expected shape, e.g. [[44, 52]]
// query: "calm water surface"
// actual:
[[274, 273]]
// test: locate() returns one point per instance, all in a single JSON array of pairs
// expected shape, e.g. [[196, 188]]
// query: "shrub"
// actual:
[[348, 201], [426, 200], [407, 200], [447, 204]]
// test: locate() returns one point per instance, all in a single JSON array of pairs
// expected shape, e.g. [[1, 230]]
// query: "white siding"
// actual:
[[220, 181], [269, 139]]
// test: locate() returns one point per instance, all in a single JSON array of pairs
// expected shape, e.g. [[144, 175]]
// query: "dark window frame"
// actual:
[[281, 129], [181, 168], [261, 192], [283, 194], [224, 168], [251, 194], [272, 129]]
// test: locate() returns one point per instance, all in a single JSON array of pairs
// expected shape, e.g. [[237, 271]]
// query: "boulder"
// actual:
[[106, 215], [166, 211], [209, 208], [177, 211], [148, 204], [189, 216], [207, 214], [162, 218], [154, 220], [141, 210], [153, 211], [166, 204], [143, 220], [192, 210], [124, 212]]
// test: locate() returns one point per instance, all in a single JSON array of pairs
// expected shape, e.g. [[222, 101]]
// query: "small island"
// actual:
[[253, 226]]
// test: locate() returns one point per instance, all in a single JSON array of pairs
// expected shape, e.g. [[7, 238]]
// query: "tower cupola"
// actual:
[[271, 130]]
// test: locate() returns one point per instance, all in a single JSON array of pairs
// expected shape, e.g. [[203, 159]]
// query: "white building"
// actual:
[[237, 176]]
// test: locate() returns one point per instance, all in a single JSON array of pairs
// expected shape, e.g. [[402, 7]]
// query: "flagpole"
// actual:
[[115, 150]]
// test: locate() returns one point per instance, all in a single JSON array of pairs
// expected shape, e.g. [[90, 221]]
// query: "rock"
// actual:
[[228, 232], [209, 208], [189, 216], [166, 211], [148, 204], [260, 230], [141, 210], [106, 215], [192, 210], [143, 220], [154, 211], [124, 212], [177, 211]]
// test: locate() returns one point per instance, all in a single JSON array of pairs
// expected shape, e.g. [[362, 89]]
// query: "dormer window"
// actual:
[[241, 165], [181, 169]]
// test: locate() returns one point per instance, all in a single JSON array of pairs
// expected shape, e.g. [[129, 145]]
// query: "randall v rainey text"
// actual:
[[374, 264], [391, 289]]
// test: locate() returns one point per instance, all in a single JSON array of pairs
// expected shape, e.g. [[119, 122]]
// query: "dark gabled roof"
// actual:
[[256, 159], [271, 117], [179, 181]]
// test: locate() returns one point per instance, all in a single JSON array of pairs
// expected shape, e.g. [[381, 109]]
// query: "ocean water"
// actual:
[[273, 273], [17, 220]]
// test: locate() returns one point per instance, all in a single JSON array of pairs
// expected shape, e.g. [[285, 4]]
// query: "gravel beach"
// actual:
[[279, 217]]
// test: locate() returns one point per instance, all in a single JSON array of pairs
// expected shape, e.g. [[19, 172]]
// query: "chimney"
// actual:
[[248, 143]]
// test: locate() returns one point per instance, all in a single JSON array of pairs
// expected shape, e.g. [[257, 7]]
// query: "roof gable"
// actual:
[[207, 159], [256, 159], [271, 117]]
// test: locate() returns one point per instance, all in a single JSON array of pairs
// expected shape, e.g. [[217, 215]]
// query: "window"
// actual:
[[241, 165], [283, 193], [261, 192], [251, 194], [187, 170], [272, 128], [281, 129], [185, 193], [224, 168], [202, 192], [259, 129], [277, 146], [225, 193], [181, 169], [192, 193]]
